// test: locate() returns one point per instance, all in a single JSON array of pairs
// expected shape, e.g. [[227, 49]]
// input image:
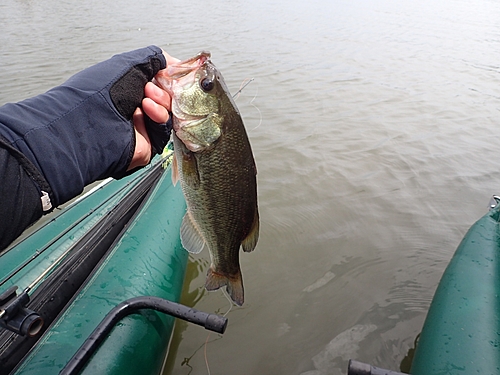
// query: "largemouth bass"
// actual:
[[214, 162]]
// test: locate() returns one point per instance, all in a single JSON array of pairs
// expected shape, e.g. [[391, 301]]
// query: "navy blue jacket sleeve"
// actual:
[[81, 131]]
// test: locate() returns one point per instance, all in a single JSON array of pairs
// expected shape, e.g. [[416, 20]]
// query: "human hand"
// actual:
[[156, 105]]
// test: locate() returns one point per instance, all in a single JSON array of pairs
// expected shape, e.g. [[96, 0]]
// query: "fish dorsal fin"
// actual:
[[250, 241], [191, 238], [175, 171]]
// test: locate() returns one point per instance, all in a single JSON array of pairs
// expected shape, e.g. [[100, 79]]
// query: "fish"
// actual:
[[214, 162]]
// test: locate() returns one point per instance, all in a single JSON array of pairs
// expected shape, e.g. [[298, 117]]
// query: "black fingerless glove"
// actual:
[[159, 134]]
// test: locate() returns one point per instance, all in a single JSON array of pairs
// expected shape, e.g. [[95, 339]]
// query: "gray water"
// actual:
[[374, 128]]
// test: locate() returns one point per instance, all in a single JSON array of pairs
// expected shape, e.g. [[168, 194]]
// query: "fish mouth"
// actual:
[[183, 68], [180, 71], [177, 79], [179, 76]]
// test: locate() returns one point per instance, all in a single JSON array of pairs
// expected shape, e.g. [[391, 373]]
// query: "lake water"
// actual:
[[374, 126]]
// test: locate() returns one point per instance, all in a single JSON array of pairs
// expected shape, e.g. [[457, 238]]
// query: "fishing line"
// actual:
[[206, 358], [208, 336], [258, 110], [244, 84]]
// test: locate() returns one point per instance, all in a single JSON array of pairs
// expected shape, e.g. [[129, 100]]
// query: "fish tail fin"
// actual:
[[234, 284]]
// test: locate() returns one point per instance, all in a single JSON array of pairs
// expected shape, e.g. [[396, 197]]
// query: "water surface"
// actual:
[[374, 126]]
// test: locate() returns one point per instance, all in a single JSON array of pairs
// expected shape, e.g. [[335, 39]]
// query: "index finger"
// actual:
[[158, 95], [156, 112]]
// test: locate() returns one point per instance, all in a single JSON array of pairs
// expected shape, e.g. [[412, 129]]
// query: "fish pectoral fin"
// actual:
[[191, 238], [190, 173], [250, 241], [175, 171], [234, 284]]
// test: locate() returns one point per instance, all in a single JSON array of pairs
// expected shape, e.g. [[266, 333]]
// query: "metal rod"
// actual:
[[211, 322]]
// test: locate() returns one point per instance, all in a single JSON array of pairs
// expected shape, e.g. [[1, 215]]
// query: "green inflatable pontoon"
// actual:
[[461, 333], [87, 291]]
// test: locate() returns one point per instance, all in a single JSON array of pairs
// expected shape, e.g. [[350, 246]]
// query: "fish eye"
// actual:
[[207, 84]]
